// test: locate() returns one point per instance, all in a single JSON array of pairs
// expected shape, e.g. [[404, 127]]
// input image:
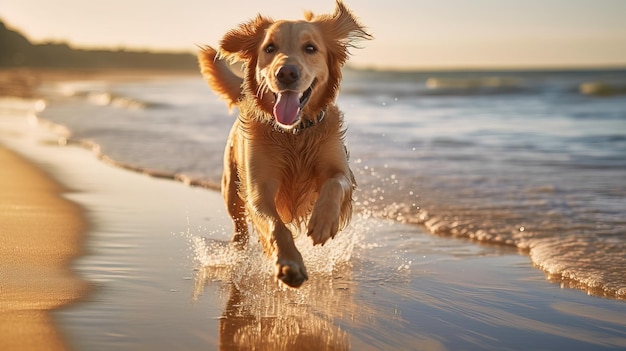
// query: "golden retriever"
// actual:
[[285, 160]]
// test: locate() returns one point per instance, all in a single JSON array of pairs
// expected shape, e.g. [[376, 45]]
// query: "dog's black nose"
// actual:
[[288, 74]]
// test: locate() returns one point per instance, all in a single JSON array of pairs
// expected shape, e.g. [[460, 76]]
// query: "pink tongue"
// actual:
[[287, 107]]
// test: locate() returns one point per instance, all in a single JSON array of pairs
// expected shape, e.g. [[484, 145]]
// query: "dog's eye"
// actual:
[[270, 48], [310, 49]]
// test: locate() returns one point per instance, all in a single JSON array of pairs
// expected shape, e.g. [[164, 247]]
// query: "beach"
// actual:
[[134, 262]]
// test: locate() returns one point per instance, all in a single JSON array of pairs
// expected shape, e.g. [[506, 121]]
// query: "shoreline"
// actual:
[[41, 233]]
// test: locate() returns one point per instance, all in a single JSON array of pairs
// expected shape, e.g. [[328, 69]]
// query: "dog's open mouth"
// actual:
[[289, 104]]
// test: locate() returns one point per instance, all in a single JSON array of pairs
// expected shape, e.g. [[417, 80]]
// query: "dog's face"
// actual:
[[293, 68], [292, 64]]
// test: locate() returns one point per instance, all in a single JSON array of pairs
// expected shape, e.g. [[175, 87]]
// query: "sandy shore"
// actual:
[[40, 233], [164, 277]]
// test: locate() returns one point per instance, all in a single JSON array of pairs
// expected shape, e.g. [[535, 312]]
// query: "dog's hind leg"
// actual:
[[230, 191]]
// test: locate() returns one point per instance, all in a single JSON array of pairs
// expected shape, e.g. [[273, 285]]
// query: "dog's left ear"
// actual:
[[243, 42], [342, 26]]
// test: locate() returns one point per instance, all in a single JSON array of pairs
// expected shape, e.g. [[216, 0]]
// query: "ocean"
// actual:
[[529, 159]]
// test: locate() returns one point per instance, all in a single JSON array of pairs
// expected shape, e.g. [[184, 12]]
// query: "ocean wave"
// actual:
[[97, 93], [382, 89], [566, 260], [474, 86], [578, 267], [109, 99], [601, 89], [121, 101], [64, 139], [436, 86]]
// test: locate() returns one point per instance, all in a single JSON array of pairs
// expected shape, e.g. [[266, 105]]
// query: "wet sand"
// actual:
[[165, 278], [40, 233]]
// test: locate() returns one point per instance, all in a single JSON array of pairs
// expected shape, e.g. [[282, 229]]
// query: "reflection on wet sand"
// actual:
[[261, 315], [283, 325]]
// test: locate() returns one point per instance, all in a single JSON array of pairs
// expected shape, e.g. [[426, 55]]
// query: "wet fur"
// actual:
[[273, 175]]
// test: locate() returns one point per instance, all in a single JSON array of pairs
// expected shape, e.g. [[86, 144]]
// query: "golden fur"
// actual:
[[294, 168]]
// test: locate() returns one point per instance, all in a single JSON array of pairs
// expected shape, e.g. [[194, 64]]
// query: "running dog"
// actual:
[[285, 159]]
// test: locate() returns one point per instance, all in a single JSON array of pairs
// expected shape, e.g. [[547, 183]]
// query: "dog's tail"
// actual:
[[221, 76]]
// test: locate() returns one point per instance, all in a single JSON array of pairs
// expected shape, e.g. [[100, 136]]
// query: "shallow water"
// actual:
[[535, 160]]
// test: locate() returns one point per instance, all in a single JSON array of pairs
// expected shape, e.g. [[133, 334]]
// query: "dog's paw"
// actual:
[[291, 273], [324, 223]]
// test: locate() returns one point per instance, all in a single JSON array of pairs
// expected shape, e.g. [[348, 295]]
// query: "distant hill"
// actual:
[[17, 51]]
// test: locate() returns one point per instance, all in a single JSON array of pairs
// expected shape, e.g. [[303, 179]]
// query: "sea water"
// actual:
[[533, 160]]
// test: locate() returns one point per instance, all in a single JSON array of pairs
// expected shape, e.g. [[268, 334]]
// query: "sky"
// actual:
[[408, 34]]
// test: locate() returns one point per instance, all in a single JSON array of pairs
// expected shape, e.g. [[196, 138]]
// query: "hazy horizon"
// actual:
[[417, 35]]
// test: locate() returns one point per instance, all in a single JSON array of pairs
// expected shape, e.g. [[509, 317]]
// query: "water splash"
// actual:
[[258, 312], [214, 254]]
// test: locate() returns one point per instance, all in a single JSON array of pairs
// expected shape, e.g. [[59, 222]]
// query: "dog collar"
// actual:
[[307, 123]]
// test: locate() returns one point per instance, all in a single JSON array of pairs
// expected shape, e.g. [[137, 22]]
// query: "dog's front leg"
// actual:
[[325, 219], [275, 236]]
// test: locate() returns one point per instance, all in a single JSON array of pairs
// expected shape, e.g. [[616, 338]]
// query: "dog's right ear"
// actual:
[[242, 43]]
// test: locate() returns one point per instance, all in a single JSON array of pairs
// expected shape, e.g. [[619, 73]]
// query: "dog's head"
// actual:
[[293, 68]]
